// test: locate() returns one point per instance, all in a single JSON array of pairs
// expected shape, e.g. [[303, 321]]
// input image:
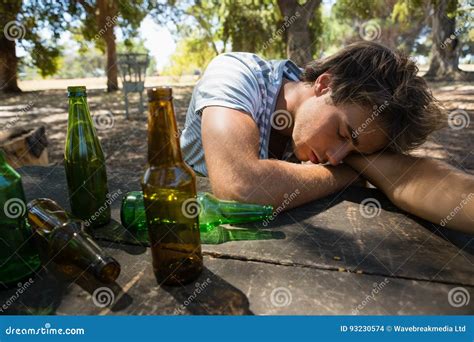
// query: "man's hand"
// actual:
[[231, 143], [424, 187]]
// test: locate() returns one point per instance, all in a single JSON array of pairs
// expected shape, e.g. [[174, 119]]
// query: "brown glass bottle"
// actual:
[[169, 190], [63, 240]]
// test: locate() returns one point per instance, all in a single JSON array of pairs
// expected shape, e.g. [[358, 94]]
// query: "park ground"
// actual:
[[124, 140]]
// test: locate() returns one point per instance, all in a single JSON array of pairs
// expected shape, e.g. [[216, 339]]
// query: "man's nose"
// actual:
[[337, 154]]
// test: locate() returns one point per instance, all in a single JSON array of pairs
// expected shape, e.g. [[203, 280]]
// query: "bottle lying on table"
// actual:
[[212, 212], [63, 240], [85, 163], [18, 255]]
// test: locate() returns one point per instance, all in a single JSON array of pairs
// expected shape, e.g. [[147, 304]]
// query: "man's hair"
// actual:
[[374, 76]]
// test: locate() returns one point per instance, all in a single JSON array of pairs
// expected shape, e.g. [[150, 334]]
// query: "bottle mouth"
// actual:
[[106, 269], [75, 91], [160, 93]]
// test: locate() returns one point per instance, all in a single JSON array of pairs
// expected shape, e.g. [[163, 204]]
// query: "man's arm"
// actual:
[[424, 187], [231, 142]]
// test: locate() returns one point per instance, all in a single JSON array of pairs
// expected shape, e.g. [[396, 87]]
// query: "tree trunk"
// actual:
[[106, 19], [299, 46], [8, 59], [8, 66], [445, 48]]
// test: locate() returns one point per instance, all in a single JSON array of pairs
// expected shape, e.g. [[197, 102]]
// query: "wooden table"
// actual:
[[333, 259]]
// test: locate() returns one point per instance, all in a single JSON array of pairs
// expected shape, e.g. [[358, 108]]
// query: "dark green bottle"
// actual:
[[18, 255], [212, 212], [85, 163]]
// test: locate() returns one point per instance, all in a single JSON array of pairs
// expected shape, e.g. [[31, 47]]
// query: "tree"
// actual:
[[297, 23], [22, 23], [446, 42], [99, 19], [395, 23], [206, 28]]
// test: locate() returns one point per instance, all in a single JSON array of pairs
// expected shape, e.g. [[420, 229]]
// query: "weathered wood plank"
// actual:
[[234, 287]]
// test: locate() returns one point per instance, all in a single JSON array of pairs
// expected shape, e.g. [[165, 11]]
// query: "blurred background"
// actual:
[[46, 46]]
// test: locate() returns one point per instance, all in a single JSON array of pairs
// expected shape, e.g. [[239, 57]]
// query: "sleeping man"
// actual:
[[262, 129]]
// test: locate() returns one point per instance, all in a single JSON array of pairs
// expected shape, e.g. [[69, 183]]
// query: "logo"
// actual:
[[103, 297]]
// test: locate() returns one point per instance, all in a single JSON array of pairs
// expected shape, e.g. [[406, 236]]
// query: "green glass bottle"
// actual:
[[212, 212], [169, 192], [85, 163], [18, 254], [219, 235], [64, 241]]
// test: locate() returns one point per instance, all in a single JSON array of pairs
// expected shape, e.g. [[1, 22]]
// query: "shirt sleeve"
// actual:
[[228, 82]]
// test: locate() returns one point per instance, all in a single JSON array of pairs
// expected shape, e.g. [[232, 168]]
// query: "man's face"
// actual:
[[324, 132]]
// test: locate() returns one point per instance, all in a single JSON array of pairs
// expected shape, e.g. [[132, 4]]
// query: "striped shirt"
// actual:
[[241, 81]]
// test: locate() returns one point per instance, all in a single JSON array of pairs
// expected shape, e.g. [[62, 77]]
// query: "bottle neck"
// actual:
[[79, 111], [45, 215], [163, 140], [234, 212]]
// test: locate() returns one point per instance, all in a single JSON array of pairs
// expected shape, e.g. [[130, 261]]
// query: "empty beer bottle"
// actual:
[[221, 234], [85, 163], [63, 240], [18, 254], [212, 212], [169, 189]]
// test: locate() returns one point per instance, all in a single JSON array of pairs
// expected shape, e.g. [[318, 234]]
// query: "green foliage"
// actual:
[[35, 18], [126, 15], [206, 28], [192, 55]]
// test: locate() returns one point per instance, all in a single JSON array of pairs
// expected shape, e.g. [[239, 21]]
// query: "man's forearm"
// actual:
[[287, 185], [425, 187]]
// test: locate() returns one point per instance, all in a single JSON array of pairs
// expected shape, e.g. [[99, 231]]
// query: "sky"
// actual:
[[158, 40]]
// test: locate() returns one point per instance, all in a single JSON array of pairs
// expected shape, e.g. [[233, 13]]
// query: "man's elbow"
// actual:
[[237, 185], [237, 190]]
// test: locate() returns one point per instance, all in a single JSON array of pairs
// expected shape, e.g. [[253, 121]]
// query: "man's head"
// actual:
[[363, 98]]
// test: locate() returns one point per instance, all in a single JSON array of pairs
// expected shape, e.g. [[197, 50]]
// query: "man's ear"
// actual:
[[322, 84]]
